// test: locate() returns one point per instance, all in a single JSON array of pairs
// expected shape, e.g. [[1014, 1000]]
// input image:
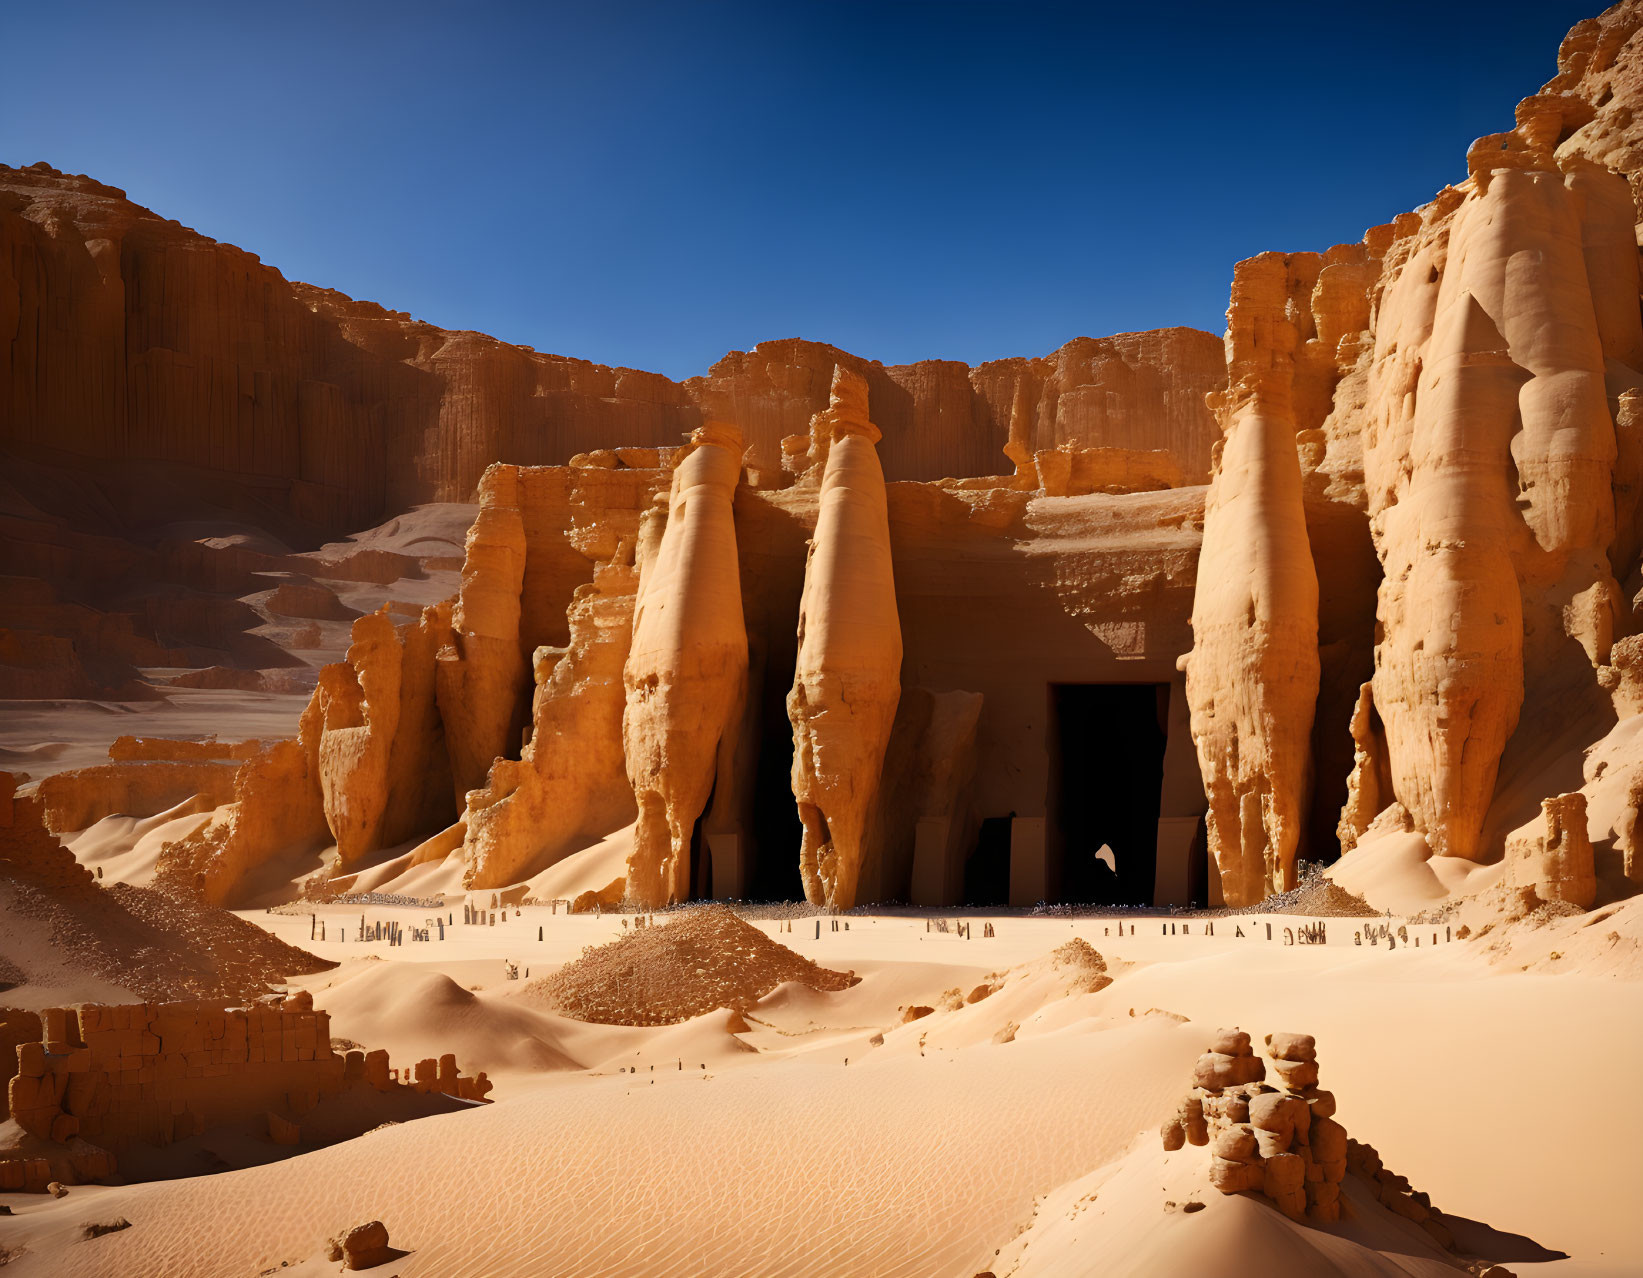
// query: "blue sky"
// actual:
[[653, 185]]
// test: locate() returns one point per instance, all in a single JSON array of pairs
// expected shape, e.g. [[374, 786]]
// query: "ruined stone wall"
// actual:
[[152, 1073], [29, 851]]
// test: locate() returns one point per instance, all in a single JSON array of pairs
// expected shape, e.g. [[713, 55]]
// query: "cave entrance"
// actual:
[[1106, 746], [701, 856], [987, 871], [777, 832]]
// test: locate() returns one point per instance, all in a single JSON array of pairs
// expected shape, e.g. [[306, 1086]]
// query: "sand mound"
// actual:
[[414, 1013], [1317, 896], [142, 941], [1086, 965], [706, 959]]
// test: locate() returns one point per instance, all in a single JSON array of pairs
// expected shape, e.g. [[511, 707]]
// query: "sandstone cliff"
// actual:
[[125, 336], [1470, 387], [150, 376], [1414, 579]]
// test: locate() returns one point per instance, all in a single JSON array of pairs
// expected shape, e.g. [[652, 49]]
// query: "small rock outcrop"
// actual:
[[1282, 1141], [1554, 857], [362, 1247], [383, 769]]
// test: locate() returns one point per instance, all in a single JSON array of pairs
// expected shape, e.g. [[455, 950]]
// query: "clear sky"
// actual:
[[653, 185]]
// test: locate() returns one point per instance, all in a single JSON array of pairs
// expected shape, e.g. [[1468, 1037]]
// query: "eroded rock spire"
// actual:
[[847, 681], [686, 673]]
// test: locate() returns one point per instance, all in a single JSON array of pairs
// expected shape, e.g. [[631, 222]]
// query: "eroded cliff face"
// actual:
[[1135, 392], [483, 670], [568, 784], [1501, 363], [1479, 409], [125, 336], [139, 358], [381, 754]]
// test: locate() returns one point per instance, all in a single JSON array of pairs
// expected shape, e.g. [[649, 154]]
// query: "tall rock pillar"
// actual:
[[483, 677], [848, 679], [1252, 674], [1491, 467], [686, 672]]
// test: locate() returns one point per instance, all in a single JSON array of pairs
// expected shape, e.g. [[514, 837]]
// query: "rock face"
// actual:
[[381, 753], [1133, 392], [1252, 676], [482, 671], [278, 809], [568, 781], [1490, 466], [1467, 378], [1414, 579], [847, 682], [344, 411], [686, 673], [1450, 609]]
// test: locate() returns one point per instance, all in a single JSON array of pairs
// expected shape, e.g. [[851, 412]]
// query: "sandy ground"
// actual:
[[942, 1149]]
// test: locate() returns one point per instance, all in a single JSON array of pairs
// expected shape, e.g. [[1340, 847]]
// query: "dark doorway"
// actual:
[[777, 831], [701, 858], [987, 872], [1106, 774]]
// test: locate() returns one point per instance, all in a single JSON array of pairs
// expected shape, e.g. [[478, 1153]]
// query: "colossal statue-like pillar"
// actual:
[[1495, 540], [686, 672], [1252, 674], [848, 678]]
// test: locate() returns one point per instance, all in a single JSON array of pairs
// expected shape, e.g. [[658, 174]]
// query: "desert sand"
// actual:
[[763, 1151]]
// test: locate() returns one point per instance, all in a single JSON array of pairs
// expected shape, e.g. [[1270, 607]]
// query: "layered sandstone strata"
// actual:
[[686, 673], [122, 339], [847, 681]]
